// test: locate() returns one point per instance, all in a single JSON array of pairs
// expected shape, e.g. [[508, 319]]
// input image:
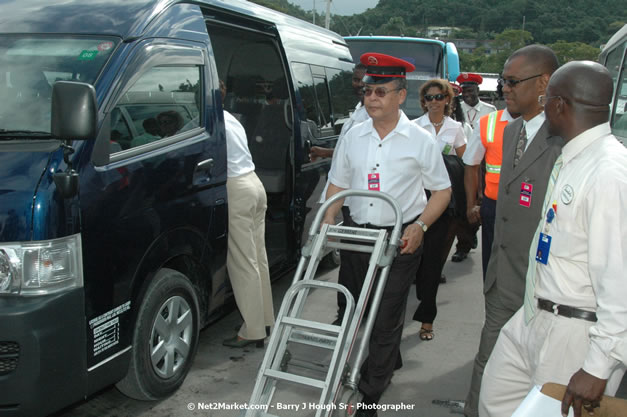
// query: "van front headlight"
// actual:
[[43, 267]]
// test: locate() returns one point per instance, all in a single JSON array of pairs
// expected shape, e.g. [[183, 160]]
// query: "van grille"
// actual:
[[9, 357]]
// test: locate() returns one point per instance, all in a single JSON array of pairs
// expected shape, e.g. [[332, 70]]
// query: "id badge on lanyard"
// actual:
[[544, 241], [374, 183]]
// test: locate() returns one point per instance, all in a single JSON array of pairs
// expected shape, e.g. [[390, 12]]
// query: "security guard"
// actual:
[[473, 108], [388, 153]]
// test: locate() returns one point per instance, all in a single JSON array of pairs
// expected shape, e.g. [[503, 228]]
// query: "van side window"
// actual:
[[163, 102], [343, 98], [619, 76]]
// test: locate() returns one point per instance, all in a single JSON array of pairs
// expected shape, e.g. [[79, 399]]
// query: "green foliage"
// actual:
[[574, 28], [571, 51]]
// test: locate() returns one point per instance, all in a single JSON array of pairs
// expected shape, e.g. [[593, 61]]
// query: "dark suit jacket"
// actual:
[[516, 224]]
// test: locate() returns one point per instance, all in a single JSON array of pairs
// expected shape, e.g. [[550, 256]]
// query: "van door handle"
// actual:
[[205, 165], [202, 173]]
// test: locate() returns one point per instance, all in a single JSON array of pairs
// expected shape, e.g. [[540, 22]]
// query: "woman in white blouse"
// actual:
[[435, 98]]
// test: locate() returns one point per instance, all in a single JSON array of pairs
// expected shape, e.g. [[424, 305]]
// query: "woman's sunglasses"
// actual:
[[438, 97]]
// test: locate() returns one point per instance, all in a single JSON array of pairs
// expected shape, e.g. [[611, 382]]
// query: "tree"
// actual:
[[395, 27], [574, 51]]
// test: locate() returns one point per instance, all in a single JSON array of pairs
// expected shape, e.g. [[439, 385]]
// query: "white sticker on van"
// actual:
[[106, 328]]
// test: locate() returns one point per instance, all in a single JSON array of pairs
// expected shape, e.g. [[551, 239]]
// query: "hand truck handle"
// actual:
[[398, 212]]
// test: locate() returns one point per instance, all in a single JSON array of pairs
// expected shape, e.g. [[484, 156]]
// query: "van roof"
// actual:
[[123, 18], [616, 38]]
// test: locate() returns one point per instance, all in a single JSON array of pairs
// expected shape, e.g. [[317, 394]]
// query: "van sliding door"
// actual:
[[249, 61]]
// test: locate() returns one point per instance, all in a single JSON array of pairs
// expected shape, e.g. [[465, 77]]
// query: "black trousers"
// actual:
[[384, 347], [487, 212], [437, 241], [466, 233]]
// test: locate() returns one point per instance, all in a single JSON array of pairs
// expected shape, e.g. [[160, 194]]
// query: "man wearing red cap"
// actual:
[[473, 108], [387, 153]]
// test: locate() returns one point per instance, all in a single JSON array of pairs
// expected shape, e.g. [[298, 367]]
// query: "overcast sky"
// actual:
[[341, 7]]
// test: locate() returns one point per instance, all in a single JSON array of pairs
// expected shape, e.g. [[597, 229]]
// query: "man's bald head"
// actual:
[[587, 84], [578, 98]]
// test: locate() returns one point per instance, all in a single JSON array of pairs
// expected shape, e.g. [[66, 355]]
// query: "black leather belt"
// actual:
[[388, 228], [566, 311]]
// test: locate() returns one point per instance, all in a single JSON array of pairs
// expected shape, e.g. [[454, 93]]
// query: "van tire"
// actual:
[[149, 379]]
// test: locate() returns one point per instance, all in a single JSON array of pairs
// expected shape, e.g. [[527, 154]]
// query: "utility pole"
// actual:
[[523, 28], [328, 18], [314, 12]]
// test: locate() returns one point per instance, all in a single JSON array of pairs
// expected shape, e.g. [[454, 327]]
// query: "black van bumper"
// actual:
[[42, 353]]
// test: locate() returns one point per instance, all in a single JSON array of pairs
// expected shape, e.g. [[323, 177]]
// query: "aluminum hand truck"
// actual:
[[290, 327]]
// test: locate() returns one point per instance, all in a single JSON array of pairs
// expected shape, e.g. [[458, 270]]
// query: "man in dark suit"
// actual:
[[529, 152]]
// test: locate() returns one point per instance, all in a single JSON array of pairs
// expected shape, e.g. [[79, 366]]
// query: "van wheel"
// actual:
[[165, 338]]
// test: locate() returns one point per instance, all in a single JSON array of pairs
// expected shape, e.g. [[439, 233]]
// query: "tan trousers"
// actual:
[[246, 260], [550, 349]]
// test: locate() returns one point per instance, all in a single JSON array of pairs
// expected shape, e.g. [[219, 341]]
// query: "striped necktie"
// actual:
[[520, 146], [530, 279]]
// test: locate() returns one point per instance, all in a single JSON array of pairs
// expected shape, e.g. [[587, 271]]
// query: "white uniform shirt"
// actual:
[[238, 158], [475, 151], [587, 264], [407, 160], [359, 115], [473, 114], [450, 137]]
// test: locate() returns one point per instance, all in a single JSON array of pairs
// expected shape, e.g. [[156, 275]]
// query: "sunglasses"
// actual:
[[438, 97], [379, 91], [513, 83]]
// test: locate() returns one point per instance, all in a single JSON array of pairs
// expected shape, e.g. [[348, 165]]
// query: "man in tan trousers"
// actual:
[[246, 261]]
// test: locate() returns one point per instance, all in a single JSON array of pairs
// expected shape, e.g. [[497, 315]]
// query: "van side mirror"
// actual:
[[74, 117], [74, 111]]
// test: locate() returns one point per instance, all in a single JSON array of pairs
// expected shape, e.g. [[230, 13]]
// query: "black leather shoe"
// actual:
[[475, 242], [442, 279], [366, 411], [238, 342], [459, 256]]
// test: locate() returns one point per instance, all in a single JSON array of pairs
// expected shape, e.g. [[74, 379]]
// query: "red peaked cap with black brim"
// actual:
[[383, 68], [469, 78]]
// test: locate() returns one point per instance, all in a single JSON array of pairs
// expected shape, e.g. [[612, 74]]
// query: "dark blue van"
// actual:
[[112, 179]]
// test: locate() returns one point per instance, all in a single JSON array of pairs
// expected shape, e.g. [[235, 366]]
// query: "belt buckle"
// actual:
[[555, 308]]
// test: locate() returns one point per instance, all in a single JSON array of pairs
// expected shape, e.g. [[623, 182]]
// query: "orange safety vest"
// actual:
[[491, 131]]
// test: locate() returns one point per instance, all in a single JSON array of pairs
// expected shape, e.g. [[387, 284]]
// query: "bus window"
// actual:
[[426, 54]]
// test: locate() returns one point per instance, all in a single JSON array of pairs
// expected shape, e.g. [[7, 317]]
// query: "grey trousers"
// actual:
[[496, 315]]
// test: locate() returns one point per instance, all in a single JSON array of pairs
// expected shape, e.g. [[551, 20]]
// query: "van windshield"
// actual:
[[29, 66]]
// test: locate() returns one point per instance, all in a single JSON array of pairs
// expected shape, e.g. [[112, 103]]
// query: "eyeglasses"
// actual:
[[542, 100], [379, 91], [513, 83], [438, 97]]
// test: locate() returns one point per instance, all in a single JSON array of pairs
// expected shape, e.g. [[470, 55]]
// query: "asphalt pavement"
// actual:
[[432, 383]]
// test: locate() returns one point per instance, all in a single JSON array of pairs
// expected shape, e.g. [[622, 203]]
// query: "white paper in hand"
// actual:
[[536, 404]]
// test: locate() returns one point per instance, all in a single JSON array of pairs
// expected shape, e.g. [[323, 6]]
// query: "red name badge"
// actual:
[[526, 190], [373, 182]]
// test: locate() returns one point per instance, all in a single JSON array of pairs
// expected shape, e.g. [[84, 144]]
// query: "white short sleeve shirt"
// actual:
[[450, 137], [406, 161], [238, 158]]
